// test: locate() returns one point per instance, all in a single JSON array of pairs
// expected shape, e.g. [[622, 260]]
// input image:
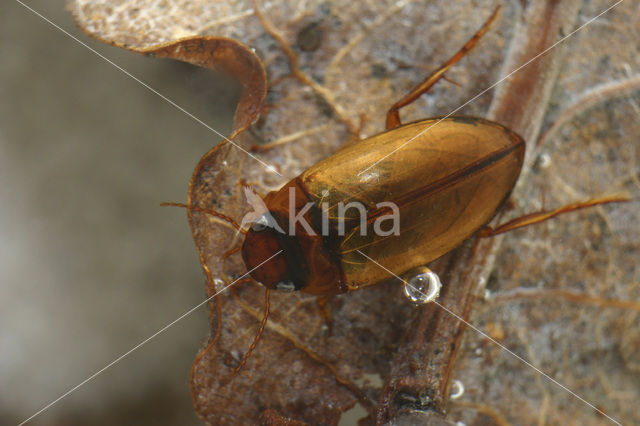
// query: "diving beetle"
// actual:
[[445, 177], [464, 166]]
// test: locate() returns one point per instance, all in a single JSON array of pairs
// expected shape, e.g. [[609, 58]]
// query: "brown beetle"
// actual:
[[445, 178], [465, 167]]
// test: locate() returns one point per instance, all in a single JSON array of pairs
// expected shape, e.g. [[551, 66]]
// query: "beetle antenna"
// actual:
[[208, 211], [258, 335]]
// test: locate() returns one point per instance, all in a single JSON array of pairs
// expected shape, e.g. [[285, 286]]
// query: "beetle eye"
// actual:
[[260, 224], [286, 286]]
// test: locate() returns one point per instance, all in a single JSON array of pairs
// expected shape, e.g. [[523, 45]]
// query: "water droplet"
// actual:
[[457, 389], [423, 286]]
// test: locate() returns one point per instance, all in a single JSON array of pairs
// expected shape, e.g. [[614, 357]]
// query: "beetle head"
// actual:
[[283, 271]]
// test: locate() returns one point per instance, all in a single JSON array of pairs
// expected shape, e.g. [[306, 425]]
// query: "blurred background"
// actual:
[[90, 264]]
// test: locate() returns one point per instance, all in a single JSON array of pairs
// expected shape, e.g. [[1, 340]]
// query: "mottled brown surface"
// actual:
[[588, 345]]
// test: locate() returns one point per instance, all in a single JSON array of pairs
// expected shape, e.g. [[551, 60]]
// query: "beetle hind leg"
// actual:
[[393, 115], [537, 217]]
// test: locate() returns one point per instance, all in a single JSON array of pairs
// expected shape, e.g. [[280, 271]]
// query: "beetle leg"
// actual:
[[393, 115], [537, 217], [256, 339]]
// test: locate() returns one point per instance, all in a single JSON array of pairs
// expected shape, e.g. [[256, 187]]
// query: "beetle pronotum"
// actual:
[[447, 184]]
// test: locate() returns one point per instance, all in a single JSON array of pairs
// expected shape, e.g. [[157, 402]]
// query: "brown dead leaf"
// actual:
[[357, 65]]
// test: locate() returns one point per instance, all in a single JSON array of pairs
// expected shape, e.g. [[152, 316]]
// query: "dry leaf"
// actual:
[[560, 291]]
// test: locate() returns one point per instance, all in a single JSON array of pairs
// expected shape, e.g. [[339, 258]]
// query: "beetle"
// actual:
[[444, 177], [443, 195]]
